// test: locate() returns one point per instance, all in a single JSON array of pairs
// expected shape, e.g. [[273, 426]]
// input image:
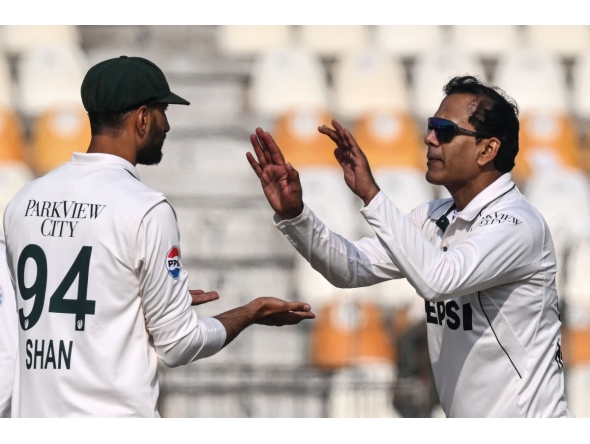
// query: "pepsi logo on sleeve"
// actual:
[[173, 262]]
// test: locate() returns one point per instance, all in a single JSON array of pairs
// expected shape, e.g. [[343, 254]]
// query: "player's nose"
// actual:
[[430, 139]]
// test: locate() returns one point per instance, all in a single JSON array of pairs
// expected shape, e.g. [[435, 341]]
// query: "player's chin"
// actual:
[[435, 177]]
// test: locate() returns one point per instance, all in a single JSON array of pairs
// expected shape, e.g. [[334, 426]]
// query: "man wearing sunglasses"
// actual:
[[483, 261]]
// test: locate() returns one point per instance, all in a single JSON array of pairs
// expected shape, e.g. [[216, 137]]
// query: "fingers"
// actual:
[[255, 166], [273, 149], [258, 149], [351, 142], [263, 143], [286, 318], [330, 133], [298, 306], [200, 297]]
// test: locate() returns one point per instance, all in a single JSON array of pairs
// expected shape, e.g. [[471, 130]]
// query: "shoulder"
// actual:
[[514, 210]]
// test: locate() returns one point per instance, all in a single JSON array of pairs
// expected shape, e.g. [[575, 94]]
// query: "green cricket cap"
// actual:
[[125, 83]]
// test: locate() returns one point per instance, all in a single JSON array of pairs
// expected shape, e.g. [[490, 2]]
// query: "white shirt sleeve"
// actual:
[[491, 255], [178, 336], [343, 263]]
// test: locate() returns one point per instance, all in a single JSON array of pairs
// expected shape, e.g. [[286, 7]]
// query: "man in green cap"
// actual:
[[96, 261]]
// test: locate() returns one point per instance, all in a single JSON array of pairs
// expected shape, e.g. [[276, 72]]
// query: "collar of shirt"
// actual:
[[501, 186], [105, 159]]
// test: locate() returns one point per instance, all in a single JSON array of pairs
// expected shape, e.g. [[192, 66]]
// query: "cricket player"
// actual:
[[482, 260], [8, 334], [95, 257]]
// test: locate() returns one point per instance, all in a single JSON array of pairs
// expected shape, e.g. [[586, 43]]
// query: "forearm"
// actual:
[[343, 263], [236, 320]]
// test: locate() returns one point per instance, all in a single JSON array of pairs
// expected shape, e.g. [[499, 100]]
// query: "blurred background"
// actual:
[[366, 353]]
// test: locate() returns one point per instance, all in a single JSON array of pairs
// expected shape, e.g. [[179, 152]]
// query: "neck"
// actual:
[[465, 192], [115, 145]]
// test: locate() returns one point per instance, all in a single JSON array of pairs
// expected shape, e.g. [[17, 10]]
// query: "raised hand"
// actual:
[[279, 180], [276, 312], [201, 297], [354, 163]]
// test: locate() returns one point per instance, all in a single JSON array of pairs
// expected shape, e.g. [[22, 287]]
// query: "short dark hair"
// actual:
[[107, 123], [495, 115]]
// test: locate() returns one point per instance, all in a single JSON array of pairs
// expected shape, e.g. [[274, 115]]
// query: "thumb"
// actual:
[[293, 173]]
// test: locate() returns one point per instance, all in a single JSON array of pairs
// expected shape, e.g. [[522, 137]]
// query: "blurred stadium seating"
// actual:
[[381, 81]]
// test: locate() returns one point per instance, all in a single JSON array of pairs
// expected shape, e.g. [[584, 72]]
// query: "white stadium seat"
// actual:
[[368, 80], [562, 196], [534, 78], [408, 41], [19, 38], [334, 40], [581, 86], [432, 71], [565, 41], [485, 40], [249, 40], [287, 78], [50, 77], [5, 84]]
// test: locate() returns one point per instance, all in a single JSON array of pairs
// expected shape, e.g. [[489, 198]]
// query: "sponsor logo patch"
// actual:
[[173, 262], [498, 218]]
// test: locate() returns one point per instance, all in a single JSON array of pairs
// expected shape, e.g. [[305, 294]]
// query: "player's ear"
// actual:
[[142, 120], [488, 151]]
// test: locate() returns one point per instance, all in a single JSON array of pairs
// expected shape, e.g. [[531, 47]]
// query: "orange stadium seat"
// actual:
[[348, 333], [390, 139], [56, 135], [296, 133], [547, 140], [12, 141]]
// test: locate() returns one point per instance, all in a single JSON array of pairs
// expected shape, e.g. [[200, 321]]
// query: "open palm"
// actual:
[[279, 180]]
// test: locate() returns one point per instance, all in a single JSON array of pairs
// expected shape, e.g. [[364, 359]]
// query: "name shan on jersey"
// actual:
[[61, 218], [42, 354]]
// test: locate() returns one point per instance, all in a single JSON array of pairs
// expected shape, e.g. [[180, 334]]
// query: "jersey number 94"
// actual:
[[57, 304]]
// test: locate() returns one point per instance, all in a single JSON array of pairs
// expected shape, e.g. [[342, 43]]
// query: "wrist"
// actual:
[[292, 213], [371, 195], [253, 309]]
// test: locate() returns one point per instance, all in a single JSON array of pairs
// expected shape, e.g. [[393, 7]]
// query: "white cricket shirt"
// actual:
[[101, 291], [8, 333], [488, 283]]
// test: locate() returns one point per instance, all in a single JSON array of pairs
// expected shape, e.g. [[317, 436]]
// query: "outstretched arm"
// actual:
[[265, 311]]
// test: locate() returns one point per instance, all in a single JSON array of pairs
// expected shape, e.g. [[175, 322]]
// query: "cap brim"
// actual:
[[173, 99]]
